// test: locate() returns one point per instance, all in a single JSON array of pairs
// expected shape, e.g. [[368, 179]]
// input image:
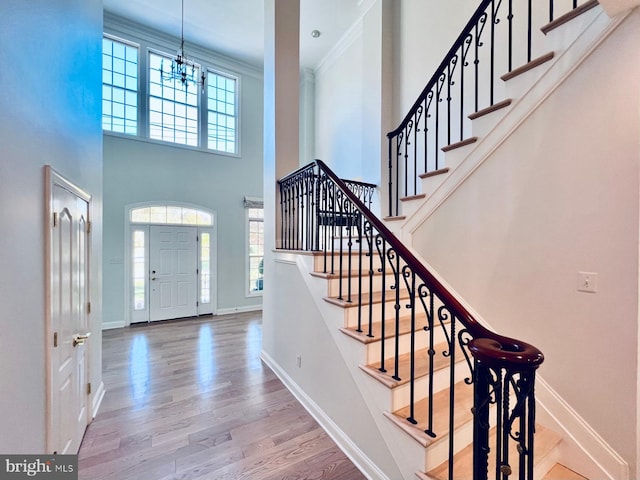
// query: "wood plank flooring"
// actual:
[[191, 399]]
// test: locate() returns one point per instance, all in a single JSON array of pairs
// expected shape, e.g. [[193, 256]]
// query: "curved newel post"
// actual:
[[504, 376]]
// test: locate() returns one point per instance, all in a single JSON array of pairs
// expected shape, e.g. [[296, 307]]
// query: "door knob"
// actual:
[[80, 339]]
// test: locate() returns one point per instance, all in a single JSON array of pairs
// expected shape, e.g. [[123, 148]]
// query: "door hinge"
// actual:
[[55, 339], [88, 307], [89, 227], [55, 219], [89, 388]]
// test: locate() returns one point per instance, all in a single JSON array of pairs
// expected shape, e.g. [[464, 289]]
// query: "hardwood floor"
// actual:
[[191, 399]]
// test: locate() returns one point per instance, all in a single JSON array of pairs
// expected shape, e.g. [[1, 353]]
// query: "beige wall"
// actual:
[[560, 196]]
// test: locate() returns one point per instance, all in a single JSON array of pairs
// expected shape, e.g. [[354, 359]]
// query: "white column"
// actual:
[[281, 132]]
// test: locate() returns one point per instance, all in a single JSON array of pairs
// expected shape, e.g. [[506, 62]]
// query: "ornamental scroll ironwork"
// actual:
[[500, 36], [446, 345]]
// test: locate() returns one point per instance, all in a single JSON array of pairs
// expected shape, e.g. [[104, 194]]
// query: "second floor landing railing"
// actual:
[[327, 215], [500, 37]]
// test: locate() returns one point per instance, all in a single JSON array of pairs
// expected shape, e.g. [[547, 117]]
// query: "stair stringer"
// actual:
[[408, 454], [375, 462], [561, 67], [581, 448]]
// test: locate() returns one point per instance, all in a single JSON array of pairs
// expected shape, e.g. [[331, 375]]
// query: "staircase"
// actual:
[[369, 341], [416, 343]]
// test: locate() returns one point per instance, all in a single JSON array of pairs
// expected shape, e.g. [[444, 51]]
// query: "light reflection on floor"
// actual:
[[206, 359], [139, 369]]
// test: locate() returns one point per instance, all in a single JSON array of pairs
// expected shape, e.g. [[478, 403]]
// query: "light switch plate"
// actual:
[[587, 282]]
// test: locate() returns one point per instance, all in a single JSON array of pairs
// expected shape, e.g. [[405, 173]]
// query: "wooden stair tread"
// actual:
[[560, 472], [404, 327], [419, 196], [463, 401], [527, 66], [345, 274], [493, 108], [567, 17], [421, 366], [460, 144], [545, 441], [433, 173]]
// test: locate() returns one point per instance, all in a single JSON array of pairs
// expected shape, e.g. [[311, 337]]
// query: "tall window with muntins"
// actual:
[[256, 249], [173, 109], [222, 112], [119, 86]]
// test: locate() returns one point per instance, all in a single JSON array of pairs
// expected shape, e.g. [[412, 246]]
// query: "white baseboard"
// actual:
[[584, 450], [97, 400], [232, 310], [112, 325], [350, 449]]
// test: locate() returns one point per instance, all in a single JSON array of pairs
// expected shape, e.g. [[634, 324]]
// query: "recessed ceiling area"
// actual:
[[235, 28]]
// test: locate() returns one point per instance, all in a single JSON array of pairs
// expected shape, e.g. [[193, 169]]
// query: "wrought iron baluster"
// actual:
[[494, 21], [381, 247], [505, 467], [369, 235], [529, 28], [481, 395], [452, 394], [510, 42], [394, 262]]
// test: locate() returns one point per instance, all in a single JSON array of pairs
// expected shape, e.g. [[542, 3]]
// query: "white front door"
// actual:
[[69, 324], [173, 267]]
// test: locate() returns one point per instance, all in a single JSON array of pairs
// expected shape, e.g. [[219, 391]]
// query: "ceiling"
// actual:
[[236, 27]]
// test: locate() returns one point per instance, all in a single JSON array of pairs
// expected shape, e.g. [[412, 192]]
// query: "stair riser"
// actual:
[[455, 157], [438, 452], [409, 207], [404, 346], [400, 396], [518, 86], [421, 340], [319, 261], [481, 126], [357, 285], [376, 310], [430, 184]]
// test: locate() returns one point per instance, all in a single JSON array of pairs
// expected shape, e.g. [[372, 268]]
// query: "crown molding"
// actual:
[[148, 37]]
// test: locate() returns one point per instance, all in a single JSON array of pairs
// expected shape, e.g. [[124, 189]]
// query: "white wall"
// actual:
[[137, 170], [323, 374], [339, 108], [424, 32], [558, 197], [50, 96]]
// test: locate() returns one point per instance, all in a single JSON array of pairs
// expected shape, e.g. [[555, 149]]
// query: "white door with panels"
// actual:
[[173, 272], [68, 318]]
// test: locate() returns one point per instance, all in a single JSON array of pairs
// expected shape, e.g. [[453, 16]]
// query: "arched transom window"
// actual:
[[171, 215]]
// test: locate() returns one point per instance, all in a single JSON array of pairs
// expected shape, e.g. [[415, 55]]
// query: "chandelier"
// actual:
[[183, 70]]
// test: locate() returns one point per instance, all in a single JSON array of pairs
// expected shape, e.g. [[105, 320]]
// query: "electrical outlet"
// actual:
[[587, 282], [299, 361]]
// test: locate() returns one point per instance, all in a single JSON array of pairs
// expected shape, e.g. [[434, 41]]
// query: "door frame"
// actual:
[[129, 227], [53, 179]]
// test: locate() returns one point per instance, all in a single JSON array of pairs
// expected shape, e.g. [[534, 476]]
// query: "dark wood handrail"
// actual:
[[487, 346]]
